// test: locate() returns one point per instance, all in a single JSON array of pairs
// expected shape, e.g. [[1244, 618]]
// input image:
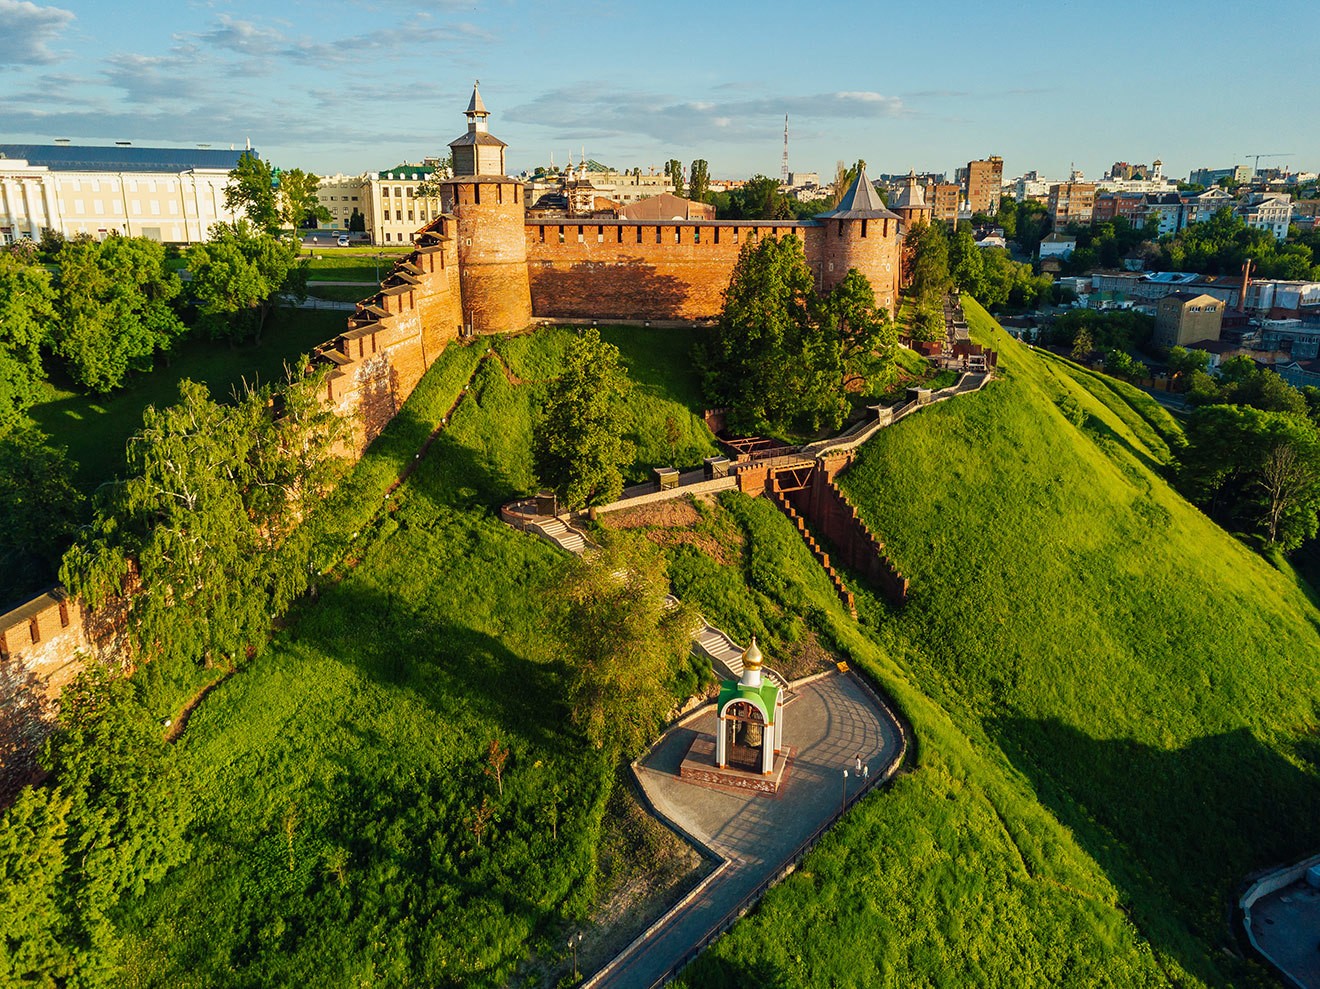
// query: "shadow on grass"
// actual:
[[1175, 830]]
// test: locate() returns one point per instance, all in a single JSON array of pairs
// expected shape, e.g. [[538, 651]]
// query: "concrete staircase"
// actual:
[[561, 534]]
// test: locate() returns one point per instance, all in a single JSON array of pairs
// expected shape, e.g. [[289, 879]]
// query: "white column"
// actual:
[[721, 741], [7, 194], [768, 750]]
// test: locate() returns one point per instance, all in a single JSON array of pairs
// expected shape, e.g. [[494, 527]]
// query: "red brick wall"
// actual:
[[492, 255], [636, 270], [870, 246]]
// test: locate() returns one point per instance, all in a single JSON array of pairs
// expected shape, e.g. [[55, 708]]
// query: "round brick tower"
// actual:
[[862, 233], [489, 213]]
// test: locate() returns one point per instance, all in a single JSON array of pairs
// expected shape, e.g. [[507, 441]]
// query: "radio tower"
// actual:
[[783, 168]]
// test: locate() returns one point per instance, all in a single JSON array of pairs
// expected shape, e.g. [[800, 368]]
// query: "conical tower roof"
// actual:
[[911, 196], [860, 202], [475, 106]]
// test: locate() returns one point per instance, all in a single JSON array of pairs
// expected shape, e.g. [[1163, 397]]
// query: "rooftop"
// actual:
[[122, 158], [860, 202]]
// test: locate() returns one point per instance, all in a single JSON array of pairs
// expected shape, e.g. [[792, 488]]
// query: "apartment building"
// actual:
[[985, 181], [1071, 202]]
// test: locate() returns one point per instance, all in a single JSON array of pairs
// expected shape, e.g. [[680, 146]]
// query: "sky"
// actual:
[[356, 85]]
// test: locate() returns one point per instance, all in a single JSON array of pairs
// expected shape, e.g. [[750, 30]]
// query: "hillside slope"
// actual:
[[1155, 680]]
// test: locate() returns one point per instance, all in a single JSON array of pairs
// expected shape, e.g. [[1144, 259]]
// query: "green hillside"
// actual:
[[346, 829], [1149, 679]]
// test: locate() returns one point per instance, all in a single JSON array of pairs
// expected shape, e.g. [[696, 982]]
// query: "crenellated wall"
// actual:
[[395, 335], [680, 269], [639, 270]]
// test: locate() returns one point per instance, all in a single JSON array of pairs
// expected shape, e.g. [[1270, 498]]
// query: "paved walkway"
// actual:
[[757, 836]]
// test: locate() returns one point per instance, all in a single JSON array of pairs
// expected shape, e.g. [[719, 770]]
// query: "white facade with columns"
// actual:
[[171, 207]]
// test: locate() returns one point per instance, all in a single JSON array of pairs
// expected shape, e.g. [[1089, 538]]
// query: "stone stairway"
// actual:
[[561, 534]]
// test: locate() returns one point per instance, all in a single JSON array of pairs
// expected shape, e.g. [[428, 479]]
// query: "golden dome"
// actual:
[[751, 656]]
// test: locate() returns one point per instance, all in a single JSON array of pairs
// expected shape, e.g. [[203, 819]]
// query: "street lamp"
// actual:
[[573, 941], [843, 801]]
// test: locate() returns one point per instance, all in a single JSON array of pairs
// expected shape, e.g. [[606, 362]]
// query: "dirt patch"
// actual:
[[677, 513], [804, 657], [677, 523]]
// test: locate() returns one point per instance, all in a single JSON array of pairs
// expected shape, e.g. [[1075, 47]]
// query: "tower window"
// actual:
[[476, 194], [639, 235], [581, 238], [696, 235], [620, 229], [863, 228], [840, 228], [543, 235], [658, 234], [717, 235], [600, 235], [561, 235]]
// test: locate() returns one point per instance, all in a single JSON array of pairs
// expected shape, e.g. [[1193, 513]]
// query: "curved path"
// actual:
[[833, 719]]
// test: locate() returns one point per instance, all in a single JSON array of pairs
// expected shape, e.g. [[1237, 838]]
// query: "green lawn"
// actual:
[[343, 293], [352, 265], [95, 429]]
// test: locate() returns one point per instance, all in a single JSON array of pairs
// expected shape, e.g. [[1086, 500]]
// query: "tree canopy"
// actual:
[[622, 641], [211, 496], [781, 358], [1255, 469], [27, 323], [237, 277], [273, 199], [115, 309], [578, 444]]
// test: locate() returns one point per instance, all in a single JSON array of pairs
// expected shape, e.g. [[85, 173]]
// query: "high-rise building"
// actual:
[[985, 180], [1071, 202]]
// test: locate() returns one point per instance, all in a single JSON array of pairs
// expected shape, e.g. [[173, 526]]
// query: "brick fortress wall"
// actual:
[[680, 269]]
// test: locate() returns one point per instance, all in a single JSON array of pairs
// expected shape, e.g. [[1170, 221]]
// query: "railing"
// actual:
[[798, 854]]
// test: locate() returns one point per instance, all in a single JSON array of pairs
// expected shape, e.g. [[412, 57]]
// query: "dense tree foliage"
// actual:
[[862, 331], [622, 642], [212, 494], [699, 180], [27, 323], [273, 199], [112, 824], [674, 171], [1221, 244], [579, 448], [1124, 329], [115, 309], [237, 277], [39, 508], [1106, 244], [759, 198], [776, 358], [1255, 469], [1241, 381], [945, 259]]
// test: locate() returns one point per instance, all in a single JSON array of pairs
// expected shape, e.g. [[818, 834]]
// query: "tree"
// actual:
[[128, 812], [252, 190], [35, 905], [27, 317], [862, 332], [698, 180], [966, 264], [622, 642], [115, 309], [772, 360], [1254, 468], [674, 169], [273, 199], [357, 223], [237, 277], [578, 444], [432, 187], [298, 204], [1121, 364], [39, 508], [759, 198], [931, 279], [212, 496], [1082, 345], [1184, 363]]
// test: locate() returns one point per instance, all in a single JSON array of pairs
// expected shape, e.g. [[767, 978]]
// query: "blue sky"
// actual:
[[350, 85]]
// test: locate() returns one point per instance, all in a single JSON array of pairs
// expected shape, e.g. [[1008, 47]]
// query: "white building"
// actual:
[[173, 195], [1269, 212]]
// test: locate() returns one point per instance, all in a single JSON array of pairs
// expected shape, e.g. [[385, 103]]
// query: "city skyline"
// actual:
[[365, 84]]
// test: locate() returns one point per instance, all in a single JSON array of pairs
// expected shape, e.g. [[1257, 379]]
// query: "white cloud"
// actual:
[[26, 32]]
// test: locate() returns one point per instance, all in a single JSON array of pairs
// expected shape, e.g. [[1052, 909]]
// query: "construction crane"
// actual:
[[1256, 158]]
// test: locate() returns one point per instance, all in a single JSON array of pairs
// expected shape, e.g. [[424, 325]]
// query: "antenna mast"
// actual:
[[783, 168]]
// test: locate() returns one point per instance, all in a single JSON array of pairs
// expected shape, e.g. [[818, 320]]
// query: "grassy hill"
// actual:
[[1114, 706], [1103, 653], [347, 831]]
